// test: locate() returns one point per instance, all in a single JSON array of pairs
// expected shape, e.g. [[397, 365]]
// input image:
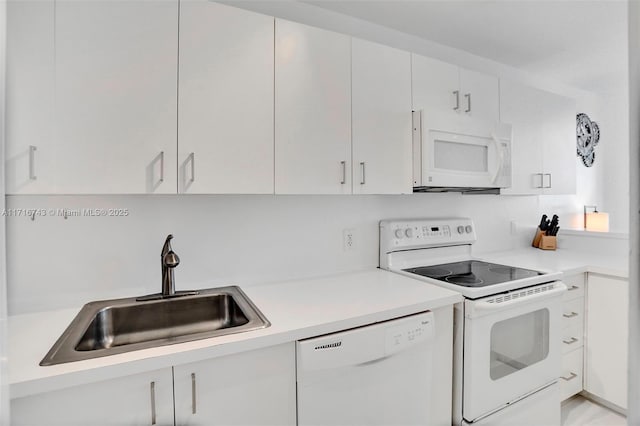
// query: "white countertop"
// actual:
[[567, 261], [296, 309]]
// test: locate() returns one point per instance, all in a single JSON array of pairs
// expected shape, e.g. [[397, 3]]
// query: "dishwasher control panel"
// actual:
[[408, 333]]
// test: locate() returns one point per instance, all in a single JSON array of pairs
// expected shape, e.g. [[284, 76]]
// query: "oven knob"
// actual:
[[468, 228], [399, 233], [408, 232], [460, 229]]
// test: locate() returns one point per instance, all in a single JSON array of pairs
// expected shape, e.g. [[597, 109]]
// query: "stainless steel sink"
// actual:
[[115, 326]]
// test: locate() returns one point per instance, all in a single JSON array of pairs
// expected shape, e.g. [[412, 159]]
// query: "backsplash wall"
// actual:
[[221, 239]]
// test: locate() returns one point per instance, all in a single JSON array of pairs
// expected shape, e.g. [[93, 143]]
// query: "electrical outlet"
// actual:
[[514, 227], [349, 239]]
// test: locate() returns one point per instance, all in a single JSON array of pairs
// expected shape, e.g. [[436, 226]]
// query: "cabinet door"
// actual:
[[249, 388], [29, 98], [559, 155], [521, 106], [312, 110], [225, 100], [607, 338], [131, 400], [381, 108], [116, 82], [436, 84], [479, 95]]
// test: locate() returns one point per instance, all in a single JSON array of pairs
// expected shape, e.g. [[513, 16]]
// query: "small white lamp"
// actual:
[[596, 221]]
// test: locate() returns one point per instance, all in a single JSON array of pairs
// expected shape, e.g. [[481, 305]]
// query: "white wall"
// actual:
[[613, 151], [605, 184], [633, 415], [4, 388], [224, 239]]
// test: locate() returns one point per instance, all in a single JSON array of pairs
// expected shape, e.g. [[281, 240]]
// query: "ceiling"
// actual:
[[582, 43]]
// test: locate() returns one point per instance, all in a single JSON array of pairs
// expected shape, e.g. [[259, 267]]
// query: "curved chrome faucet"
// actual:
[[169, 260]]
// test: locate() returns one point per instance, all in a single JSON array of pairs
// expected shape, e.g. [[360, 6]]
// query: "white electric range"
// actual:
[[507, 333]]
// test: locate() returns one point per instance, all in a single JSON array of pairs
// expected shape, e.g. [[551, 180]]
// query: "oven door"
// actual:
[[511, 346]]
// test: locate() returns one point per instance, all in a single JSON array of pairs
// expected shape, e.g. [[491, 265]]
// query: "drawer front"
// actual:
[[571, 378], [572, 337], [575, 286], [573, 313]]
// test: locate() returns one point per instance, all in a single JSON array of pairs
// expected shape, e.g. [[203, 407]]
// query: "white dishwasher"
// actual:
[[374, 375]]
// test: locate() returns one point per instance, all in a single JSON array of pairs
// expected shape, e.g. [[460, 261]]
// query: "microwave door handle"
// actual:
[[500, 152]]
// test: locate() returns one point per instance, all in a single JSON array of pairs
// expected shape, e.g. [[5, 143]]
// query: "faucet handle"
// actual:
[[170, 260]]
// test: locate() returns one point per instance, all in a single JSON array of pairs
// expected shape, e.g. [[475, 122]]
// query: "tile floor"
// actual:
[[579, 411]]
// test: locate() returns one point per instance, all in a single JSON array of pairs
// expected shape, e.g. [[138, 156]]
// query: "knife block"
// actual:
[[537, 238], [548, 242]]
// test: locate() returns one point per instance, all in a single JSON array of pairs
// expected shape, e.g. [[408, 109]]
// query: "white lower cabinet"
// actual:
[[139, 399], [606, 367], [595, 338], [572, 374], [251, 388], [572, 336]]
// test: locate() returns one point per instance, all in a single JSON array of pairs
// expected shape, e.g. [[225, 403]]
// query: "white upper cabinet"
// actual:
[[225, 126], [29, 98], [115, 99], [312, 110], [381, 108], [543, 144], [479, 95], [443, 86], [436, 84]]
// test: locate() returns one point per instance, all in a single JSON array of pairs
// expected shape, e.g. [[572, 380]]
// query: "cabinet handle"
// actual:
[[570, 341], [541, 180], [161, 166], [457, 93], [193, 393], [571, 377], [344, 172], [32, 167], [571, 315], [192, 159], [573, 287], [548, 174], [362, 166], [468, 97], [153, 403]]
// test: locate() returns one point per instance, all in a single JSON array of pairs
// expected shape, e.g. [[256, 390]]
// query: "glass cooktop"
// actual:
[[473, 273]]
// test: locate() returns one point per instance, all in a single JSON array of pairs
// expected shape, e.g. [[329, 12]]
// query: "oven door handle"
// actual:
[[495, 304]]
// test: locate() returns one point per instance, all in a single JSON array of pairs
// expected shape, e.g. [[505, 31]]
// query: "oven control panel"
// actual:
[[397, 235]]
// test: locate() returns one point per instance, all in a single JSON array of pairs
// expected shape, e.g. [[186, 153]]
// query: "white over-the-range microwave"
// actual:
[[454, 152]]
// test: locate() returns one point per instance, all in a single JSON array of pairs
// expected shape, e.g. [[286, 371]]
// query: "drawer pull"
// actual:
[[153, 403], [193, 393], [571, 377], [573, 287], [571, 315], [32, 167], [570, 341]]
